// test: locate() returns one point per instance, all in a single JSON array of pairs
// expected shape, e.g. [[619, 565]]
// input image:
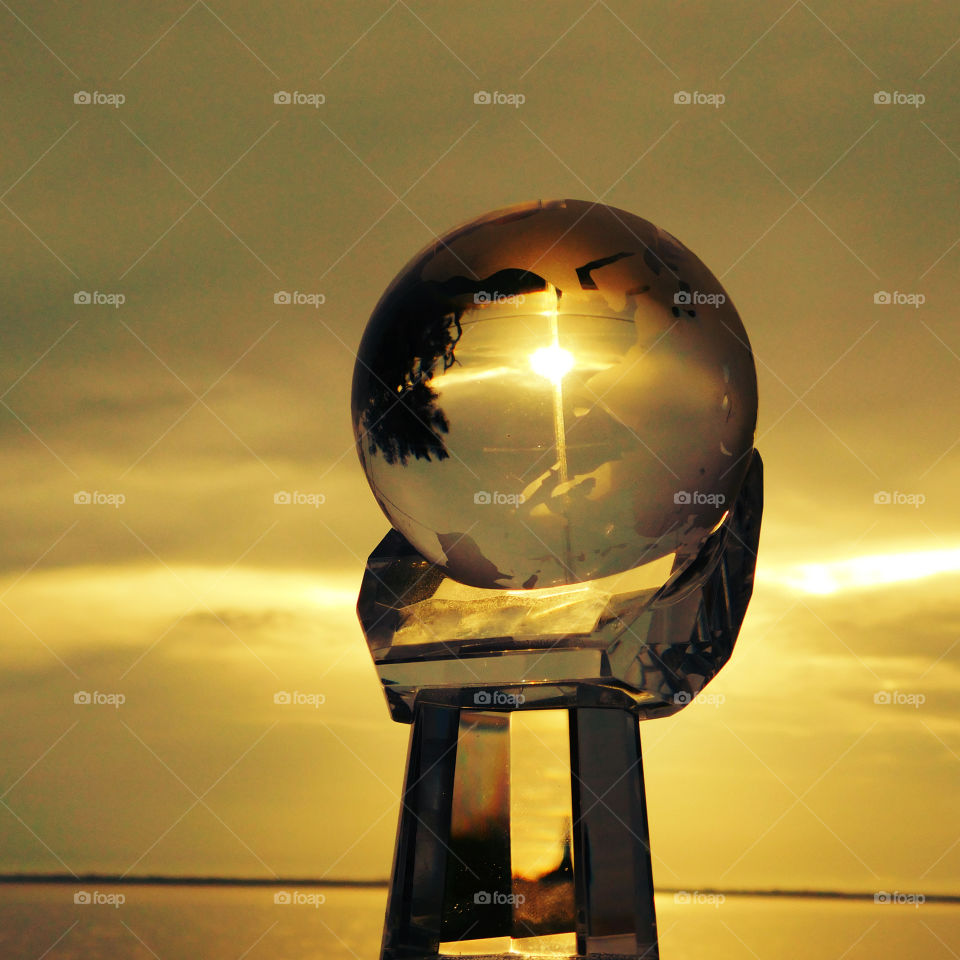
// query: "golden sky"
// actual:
[[198, 398]]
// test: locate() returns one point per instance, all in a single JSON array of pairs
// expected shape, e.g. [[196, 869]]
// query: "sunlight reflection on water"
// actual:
[[224, 923]]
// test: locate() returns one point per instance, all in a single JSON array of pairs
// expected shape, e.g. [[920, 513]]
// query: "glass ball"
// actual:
[[553, 393]]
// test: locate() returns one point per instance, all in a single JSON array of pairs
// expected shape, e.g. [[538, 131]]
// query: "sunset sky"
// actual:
[[832, 760]]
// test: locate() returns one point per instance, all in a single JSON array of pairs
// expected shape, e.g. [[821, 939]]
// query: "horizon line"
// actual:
[[214, 881]]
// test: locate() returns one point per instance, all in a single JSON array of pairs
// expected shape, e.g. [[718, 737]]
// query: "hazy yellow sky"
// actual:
[[833, 759]]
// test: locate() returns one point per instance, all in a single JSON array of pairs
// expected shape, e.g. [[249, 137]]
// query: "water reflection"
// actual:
[[219, 923]]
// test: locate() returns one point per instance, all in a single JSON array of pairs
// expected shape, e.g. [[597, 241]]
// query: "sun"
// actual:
[[552, 362]]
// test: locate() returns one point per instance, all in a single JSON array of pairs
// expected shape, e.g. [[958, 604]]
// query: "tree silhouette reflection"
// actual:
[[414, 334]]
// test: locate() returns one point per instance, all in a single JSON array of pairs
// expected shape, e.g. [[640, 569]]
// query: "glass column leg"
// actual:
[[414, 909], [614, 880]]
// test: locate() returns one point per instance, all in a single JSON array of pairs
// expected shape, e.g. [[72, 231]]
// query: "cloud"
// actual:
[[269, 686]]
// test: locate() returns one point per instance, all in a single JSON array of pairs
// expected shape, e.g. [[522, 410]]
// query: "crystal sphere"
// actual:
[[553, 393]]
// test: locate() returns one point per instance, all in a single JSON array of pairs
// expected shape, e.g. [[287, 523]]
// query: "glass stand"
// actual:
[[460, 886]]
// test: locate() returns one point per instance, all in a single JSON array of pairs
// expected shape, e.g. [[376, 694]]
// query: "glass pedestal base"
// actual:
[[466, 877]]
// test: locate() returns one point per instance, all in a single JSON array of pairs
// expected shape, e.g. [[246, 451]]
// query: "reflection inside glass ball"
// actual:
[[552, 394]]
